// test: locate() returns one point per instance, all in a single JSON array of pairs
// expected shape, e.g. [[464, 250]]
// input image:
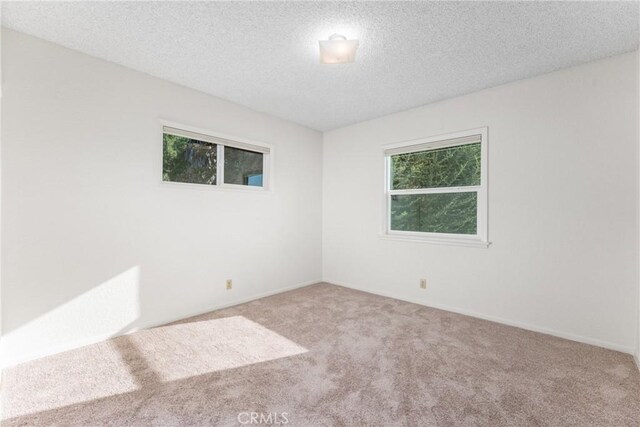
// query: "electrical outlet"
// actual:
[[423, 283], [229, 284]]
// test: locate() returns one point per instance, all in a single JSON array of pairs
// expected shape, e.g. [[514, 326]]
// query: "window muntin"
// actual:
[[198, 158], [435, 189]]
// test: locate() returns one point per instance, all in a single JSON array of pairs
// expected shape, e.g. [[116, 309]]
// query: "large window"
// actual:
[[436, 189], [198, 158]]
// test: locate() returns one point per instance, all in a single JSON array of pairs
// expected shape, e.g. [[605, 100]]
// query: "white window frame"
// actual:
[[223, 140], [480, 239]]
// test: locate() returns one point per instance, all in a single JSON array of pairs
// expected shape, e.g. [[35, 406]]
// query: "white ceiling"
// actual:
[[265, 55]]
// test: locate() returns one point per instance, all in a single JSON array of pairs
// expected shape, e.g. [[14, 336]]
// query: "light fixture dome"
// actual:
[[337, 50]]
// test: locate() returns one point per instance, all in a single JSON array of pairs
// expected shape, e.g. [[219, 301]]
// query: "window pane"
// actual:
[[446, 167], [242, 167], [454, 213], [188, 160]]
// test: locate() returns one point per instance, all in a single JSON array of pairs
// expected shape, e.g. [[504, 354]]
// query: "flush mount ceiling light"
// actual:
[[337, 50]]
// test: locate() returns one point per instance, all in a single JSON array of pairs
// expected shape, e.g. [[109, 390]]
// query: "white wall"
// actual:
[[563, 202], [0, 190], [637, 355], [94, 244]]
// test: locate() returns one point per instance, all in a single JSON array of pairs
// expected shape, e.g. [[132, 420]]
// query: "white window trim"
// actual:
[[267, 160], [440, 141]]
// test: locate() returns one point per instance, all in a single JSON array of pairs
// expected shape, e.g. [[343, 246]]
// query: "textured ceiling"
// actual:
[[265, 55]]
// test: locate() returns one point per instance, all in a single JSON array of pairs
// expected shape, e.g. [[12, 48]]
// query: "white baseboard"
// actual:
[[636, 357], [8, 362], [521, 325]]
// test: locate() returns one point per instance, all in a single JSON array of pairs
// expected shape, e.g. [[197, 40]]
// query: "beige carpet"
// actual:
[[327, 355]]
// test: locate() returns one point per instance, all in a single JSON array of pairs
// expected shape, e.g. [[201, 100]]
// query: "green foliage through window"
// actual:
[[436, 212], [188, 160], [454, 213], [445, 167], [242, 167]]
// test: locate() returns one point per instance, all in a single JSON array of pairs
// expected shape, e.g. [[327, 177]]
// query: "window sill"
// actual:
[[444, 241], [222, 187]]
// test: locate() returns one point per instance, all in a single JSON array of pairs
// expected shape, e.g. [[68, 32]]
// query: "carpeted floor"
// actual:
[[327, 355]]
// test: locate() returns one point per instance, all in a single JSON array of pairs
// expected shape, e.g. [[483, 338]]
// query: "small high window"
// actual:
[[436, 189], [198, 158]]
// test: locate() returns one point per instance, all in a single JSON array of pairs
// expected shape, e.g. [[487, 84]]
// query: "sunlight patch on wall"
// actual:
[[99, 313]]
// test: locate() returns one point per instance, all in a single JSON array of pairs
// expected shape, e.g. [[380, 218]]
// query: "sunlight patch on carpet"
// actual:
[[185, 350], [143, 359]]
